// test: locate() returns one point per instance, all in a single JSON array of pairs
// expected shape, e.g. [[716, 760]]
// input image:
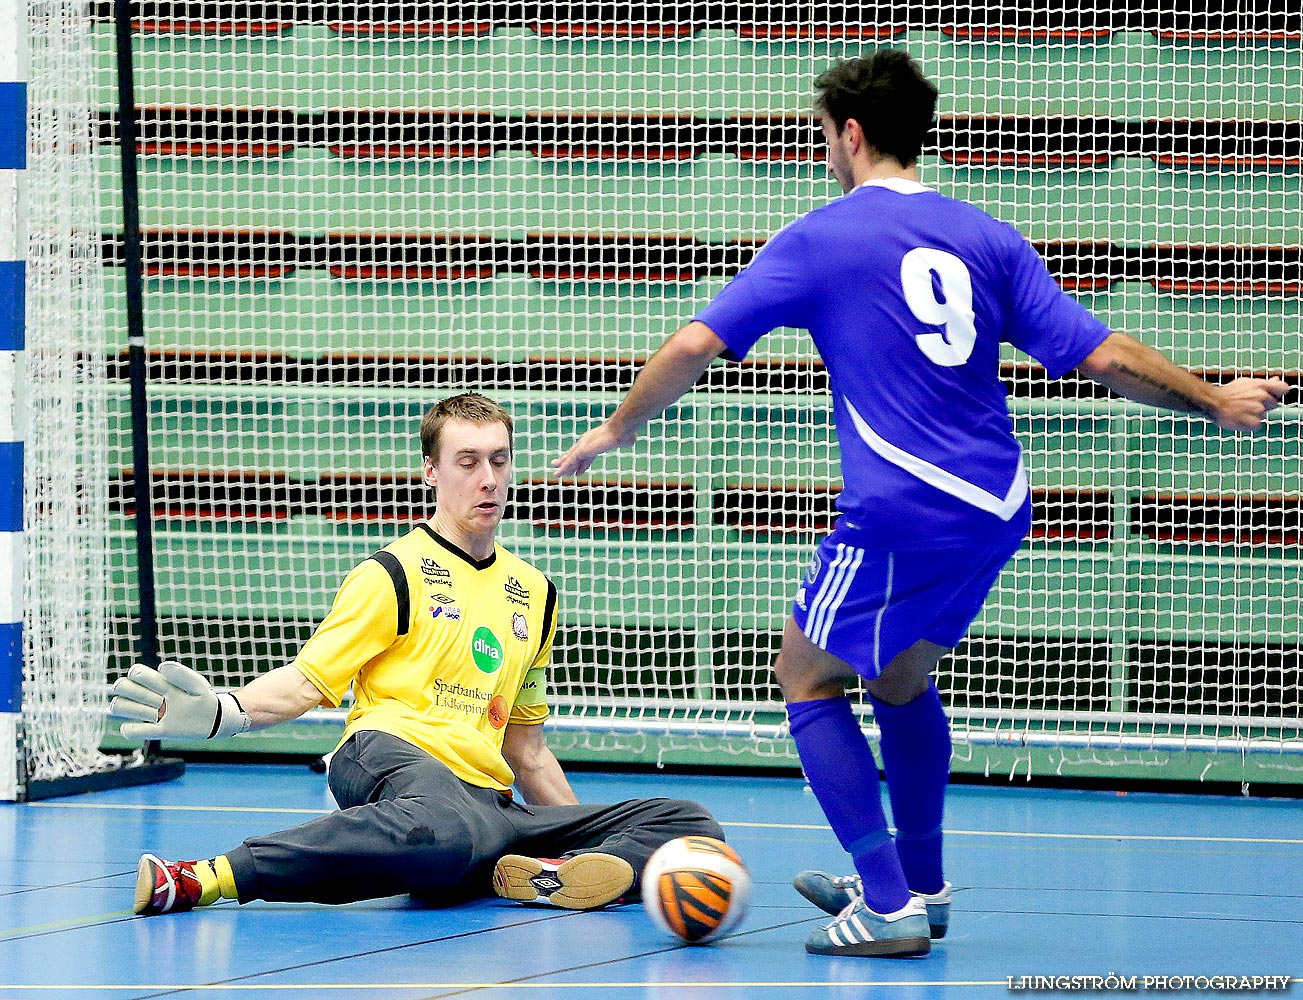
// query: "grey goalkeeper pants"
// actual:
[[407, 824]]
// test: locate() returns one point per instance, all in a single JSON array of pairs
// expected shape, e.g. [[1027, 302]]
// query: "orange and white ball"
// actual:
[[696, 888]]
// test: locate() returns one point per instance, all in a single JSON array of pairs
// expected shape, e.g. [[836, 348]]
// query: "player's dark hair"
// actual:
[[466, 406], [887, 94]]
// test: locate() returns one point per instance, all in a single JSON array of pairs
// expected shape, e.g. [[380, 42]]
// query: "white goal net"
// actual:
[[354, 209], [67, 455]]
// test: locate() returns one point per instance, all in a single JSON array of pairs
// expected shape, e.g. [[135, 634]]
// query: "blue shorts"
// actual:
[[866, 605]]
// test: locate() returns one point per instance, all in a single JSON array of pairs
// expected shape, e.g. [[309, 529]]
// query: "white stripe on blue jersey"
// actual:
[[834, 605], [826, 591], [1002, 507], [909, 297], [882, 612]]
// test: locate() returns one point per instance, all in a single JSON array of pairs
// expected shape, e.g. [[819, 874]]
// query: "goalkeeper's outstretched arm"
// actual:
[[177, 703]]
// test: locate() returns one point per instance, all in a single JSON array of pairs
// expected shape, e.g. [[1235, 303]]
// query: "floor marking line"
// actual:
[[1055, 836], [663, 948], [236, 982], [145, 806], [841, 984], [1173, 838], [68, 924], [64, 885], [1125, 836]]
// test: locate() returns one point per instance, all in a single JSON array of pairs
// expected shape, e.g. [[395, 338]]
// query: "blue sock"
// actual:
[[844, 776], [915, 744]]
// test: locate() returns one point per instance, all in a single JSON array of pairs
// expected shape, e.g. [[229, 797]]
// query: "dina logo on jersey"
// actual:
[[520, 627], [486, 650], [515, 592], [434, 573]]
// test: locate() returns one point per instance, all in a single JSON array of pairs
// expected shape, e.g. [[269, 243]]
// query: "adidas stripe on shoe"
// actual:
[[584, 882], [832, 894], [861, 932]]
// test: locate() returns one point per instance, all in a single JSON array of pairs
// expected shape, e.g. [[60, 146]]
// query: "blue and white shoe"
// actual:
[[832, 894], [859, 931]]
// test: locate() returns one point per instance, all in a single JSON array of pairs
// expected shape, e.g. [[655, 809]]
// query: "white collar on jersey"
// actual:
[[898, 184]]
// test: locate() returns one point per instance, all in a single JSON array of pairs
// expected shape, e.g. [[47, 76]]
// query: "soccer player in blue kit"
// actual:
[[908, 295]]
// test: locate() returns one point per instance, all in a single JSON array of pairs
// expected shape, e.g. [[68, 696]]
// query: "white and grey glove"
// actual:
[[174, 703]]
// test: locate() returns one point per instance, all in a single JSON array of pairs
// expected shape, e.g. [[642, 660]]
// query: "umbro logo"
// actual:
[[545, 884]]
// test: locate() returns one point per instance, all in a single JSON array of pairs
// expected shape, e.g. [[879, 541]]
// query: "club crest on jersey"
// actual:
[[812, 573], [435, 574], [520, 627], [515, 592], [449, 611]]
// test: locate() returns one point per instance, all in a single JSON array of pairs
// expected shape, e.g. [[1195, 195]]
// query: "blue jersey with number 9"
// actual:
[[908, 296]]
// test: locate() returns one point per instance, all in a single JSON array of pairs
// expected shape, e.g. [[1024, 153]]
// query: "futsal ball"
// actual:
[[695, 888]]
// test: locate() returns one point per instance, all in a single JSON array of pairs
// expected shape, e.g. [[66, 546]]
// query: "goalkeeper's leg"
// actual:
[[605, 846], [429, 834]]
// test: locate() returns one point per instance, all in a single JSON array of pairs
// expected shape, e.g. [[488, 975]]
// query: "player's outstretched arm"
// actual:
[[177, 703], [670, 372], [1139, 372]]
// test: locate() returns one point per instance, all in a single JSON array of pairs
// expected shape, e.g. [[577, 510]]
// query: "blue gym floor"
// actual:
[[1048, 883]]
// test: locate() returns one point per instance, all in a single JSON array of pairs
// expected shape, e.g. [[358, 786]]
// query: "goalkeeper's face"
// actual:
[[471, 475]]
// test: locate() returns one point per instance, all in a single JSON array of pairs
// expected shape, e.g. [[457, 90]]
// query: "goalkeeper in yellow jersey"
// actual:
[[445, 637]]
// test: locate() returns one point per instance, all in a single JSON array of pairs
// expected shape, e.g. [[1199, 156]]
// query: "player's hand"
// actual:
[[1244, 403], [173, 702], [585, 451]]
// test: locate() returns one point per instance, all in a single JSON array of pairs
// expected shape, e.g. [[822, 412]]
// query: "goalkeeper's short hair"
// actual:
[[471, 406]]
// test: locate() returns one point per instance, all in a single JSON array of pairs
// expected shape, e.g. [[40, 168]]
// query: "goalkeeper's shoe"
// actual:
[[584, 882], [832, 894], [166, 886]]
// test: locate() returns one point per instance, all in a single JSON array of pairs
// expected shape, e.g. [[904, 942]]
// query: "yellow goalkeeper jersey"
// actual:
[[442, 650]]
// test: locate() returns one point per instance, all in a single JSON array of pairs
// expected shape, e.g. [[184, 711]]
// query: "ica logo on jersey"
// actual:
[[434, 573], [516, 592]]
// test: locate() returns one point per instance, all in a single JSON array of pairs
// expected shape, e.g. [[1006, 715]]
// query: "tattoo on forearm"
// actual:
[[1170, 396]]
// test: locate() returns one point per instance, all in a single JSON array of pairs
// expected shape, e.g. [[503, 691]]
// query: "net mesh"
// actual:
[[66, 455], [353, 209]]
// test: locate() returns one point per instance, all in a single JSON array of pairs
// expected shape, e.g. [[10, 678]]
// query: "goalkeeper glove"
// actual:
[[174, 702]]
